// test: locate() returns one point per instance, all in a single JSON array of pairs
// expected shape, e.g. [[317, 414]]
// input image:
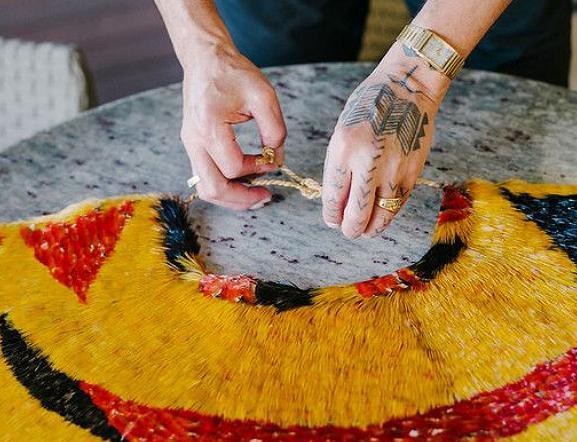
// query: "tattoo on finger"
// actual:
[[383, 226], [339, 178], [404, 192], [332, 207], [377, 156], [398, 190], [365, 189]]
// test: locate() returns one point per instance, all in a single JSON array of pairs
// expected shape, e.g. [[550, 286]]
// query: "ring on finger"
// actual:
[[392, 205], [268, 155]]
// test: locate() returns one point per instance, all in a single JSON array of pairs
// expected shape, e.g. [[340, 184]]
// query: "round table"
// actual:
[[490, 126]]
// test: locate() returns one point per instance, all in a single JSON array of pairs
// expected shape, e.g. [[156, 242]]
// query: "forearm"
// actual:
[[194, 27], [221, 88], [462, 23]]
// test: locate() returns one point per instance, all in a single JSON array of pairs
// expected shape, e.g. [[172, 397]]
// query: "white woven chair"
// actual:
[[41, 84]]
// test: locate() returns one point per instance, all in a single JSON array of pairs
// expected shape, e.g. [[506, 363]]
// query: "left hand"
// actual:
[[380, 143]]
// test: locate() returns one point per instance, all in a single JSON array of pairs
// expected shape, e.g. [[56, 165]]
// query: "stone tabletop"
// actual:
[[490, 126]]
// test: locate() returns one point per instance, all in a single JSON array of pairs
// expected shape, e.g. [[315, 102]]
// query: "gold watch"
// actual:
[[433, 49]]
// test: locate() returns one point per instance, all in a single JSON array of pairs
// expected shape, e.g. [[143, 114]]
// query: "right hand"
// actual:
[[222, 88]]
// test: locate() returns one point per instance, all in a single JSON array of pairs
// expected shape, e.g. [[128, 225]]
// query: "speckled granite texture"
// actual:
[[491, 126]]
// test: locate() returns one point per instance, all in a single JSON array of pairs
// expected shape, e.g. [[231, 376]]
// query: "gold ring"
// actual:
[[268, 156], [193, 181], [391, 204]]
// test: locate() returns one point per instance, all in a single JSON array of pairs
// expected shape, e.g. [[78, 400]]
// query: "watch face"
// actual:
[[437, 51]]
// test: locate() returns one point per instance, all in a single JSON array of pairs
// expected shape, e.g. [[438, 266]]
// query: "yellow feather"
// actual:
[[147, 333]]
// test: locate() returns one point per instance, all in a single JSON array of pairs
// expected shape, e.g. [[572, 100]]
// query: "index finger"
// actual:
[[229, 157], [336, 187], [214, 187]]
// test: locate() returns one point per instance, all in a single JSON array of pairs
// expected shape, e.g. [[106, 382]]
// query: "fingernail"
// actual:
[[260, 204], [333, 226]]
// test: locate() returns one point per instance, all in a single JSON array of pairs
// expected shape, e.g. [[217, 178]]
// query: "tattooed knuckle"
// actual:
[[329, 199], [335, 183], [331, 217], [326, 197]]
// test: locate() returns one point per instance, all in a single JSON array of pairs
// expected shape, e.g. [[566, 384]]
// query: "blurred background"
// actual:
[[106, 50], [124, 42]]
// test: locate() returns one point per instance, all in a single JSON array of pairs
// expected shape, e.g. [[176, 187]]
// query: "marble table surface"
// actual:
[[490, 126]]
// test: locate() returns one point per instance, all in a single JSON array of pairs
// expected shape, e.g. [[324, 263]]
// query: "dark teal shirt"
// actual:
[[531, 39]]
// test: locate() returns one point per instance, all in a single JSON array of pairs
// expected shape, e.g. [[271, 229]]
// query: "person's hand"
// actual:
[[380, 143], [222, 88]]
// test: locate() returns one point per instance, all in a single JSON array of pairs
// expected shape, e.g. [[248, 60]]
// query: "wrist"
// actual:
[[196, 32], [197, 52], [400, 61]]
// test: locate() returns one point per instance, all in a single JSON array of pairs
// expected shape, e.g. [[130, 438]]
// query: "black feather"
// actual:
[[179, 238], [282, 296], [55, 390], [555, 214], [438, 256]]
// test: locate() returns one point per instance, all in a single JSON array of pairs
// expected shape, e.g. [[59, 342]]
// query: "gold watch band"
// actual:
[[433, 49]]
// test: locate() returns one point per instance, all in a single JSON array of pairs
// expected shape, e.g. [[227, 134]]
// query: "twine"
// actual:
[[308, 187]]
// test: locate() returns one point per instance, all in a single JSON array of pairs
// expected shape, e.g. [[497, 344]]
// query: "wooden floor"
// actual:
[[124, 41]]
